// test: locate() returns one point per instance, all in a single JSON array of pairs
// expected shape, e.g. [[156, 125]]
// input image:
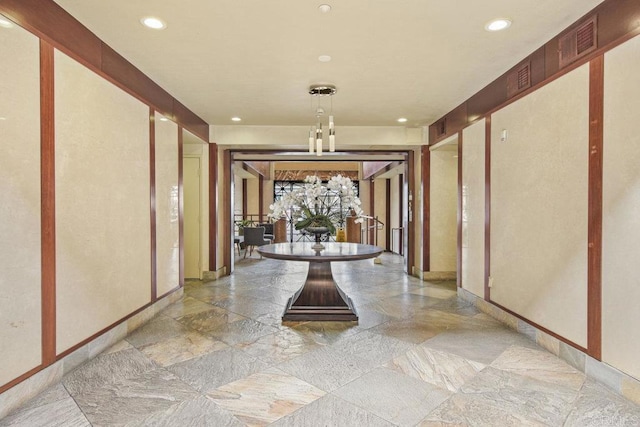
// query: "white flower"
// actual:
[[314, 198]]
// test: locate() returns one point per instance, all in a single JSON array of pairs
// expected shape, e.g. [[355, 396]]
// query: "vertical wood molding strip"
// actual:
[[213, 207], [181, 204], [594, 273], [459, 236], [47, 141], [487, 208], [426, 208], [153, 222]]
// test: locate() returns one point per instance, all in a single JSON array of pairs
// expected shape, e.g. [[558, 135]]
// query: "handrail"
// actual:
[[373, 223], [251, 218]]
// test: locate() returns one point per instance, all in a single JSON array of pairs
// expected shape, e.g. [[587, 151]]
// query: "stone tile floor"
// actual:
[[418, 357]]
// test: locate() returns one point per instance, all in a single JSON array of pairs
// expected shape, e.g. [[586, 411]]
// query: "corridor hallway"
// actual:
[[419, 356]]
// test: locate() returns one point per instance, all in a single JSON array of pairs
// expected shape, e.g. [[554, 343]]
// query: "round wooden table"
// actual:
[[320, 297]]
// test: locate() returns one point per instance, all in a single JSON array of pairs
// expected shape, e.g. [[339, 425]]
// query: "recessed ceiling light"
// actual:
[[236, 119], [324, 8], [498, 24], [5, 23], [154, 23], [402, 120], [324, 58], [164, 119]]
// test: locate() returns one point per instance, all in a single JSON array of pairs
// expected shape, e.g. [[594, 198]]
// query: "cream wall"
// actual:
[[380, 200], [621, 209], [20, 280], [443, 227], [167, 224], [473, 204], [539, 189], [102, 203], [253, 207]]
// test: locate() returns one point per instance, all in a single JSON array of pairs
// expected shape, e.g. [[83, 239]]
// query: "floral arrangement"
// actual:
[[318, 205]]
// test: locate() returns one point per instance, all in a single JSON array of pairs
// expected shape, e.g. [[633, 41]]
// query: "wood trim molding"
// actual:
[[153, 222], [425, 183], [594, 270], [48, 205], [227, 179], [260, 197], [21, 378], [387, 228], [213, 207], [542, 328], [372, 208], [487, 208], [401, 209], [57, 27], [411, 242], [181, 203], [459, 216]]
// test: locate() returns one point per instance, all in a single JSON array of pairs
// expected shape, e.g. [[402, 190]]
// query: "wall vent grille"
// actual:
[[519, 79], [578, 41]]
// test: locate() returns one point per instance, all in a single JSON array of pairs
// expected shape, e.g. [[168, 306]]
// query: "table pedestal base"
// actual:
[[320, 298]]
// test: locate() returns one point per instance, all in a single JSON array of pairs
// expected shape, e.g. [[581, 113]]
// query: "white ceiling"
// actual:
[[256, 59]]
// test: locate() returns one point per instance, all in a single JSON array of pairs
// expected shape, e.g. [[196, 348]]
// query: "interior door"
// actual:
[[191, 187]]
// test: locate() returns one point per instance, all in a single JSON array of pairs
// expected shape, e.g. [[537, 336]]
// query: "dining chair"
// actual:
[[254, 237]]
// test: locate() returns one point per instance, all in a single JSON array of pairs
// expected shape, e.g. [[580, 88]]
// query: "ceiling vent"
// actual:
[[578, 42], [519, 79]]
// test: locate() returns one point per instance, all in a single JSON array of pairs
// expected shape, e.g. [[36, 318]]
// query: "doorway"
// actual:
[[404, 186]]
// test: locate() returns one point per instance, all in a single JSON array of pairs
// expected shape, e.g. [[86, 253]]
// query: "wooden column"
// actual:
[[213, 207]]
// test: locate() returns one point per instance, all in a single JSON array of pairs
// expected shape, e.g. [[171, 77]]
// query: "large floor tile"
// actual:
[[279, 347], [334, 412], [198, 412], [60, 413], [483, 345], [209, 320], [598, 407], [106, 369], [134, 398], [326, 368], [504, 398], [212, 370], [188, 305], [241, 331], [264, 397], [409, 330], [183, 347], [391, 395], [444, 370], [540, 365], [374, 348], [249, 307], [157, 330]]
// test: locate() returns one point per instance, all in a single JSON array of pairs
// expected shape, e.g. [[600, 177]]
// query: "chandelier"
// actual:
[[315, 133]]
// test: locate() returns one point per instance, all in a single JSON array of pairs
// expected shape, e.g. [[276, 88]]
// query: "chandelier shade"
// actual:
[[316, 133]]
